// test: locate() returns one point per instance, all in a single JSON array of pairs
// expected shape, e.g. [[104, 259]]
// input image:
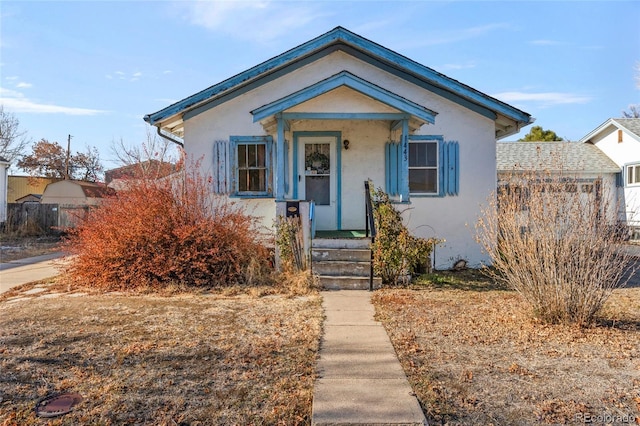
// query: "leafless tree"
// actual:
[[153, 148], [13, 141]]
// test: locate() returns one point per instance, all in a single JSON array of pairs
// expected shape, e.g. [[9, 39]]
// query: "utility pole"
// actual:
[[66, 168]]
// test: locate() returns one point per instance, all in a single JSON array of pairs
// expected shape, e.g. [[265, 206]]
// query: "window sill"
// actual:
[[435, 195], [242, 195]]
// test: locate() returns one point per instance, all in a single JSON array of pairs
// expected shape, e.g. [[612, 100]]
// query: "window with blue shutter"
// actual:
[[250, 158], [433, 167]]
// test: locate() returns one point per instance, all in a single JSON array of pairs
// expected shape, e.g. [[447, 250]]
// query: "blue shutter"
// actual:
[[392, 167], [619, 180], [449, 172], [220, 161], [286, 167]]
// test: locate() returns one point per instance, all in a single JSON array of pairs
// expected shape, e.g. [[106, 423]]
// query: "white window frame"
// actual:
[[437, 143], [632, 174], [267, 141]]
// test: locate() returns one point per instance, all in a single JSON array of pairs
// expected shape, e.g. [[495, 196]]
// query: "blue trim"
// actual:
[[347, 79], [343, 116], [340, 38], [280, 175], [404, 162], [392, 169], [296, 172], [448, 165], [234, 141]]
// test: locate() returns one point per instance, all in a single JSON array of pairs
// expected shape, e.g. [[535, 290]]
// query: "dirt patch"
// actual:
[[147, 359], [474, 356], [20, 248]]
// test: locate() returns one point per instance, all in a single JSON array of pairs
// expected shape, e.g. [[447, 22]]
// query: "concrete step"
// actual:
[[341, 243], [342, 268], [348, 282], [328, 254]]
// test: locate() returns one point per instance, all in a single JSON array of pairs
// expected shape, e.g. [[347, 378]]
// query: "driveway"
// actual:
[[27, 270]]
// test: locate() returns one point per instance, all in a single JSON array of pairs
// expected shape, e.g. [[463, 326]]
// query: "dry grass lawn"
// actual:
[[474, 356], [18, 248], [149, 359]]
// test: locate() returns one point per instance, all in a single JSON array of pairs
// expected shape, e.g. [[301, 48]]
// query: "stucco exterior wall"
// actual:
[[451, 218]]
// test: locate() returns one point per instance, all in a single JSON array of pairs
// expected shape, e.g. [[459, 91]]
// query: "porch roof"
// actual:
[[408, 108], [508, 119]]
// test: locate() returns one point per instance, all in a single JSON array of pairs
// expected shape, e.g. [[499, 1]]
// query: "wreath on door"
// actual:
[[317, 161]]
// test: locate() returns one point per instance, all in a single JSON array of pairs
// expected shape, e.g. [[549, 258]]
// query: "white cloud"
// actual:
[[544, 98], [23, 85], [17, 102], [254, 20], [121, 75]]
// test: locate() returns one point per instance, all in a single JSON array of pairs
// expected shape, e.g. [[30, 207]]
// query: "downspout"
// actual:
[[169, 138]]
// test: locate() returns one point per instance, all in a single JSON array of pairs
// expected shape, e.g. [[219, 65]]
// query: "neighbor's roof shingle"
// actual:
[[631, 124], [553, 156]]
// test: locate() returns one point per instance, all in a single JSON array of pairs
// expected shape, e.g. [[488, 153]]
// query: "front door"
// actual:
[[317, 168]]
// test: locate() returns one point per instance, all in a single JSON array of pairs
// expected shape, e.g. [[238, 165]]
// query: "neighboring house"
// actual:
[[318, 120], [619, 139], [119, 178], [587, 169], [21, 186], [4, 180]]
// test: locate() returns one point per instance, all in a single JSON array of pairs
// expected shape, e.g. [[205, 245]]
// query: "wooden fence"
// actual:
[[41, 219]]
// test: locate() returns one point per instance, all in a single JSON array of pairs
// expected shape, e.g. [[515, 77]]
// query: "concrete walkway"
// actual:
[[360, 378], [27, 270]]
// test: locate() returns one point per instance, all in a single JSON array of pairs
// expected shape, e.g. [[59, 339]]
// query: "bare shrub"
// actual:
[[396, 253], [166, 232], [553, 239]]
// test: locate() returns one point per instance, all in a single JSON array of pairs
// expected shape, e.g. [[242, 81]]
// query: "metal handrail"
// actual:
[[370, 225]]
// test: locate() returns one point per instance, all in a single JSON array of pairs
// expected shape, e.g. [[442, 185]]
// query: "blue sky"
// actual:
[[94, 69]]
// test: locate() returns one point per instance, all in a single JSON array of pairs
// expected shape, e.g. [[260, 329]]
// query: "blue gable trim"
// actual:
[[347, 79], [342, 39]]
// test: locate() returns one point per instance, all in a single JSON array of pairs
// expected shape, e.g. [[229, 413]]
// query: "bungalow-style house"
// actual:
[[317, 121], [619, 139], [588, 170]]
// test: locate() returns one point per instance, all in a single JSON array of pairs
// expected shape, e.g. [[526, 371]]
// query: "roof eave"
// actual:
[[338, 35]]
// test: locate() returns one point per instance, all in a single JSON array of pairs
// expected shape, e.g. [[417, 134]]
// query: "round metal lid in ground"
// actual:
[[57, 405]]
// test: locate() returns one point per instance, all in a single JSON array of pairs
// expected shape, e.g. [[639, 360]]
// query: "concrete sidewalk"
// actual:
[[27, 270], [360, 378]]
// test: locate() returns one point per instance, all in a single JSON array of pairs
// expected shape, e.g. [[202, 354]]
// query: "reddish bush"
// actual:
[[163, 232]]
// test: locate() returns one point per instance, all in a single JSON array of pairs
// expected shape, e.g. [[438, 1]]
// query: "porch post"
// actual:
[[280, 159], [404, 162]]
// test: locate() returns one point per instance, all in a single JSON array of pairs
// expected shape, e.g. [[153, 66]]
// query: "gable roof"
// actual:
[[630, 125], [567, 157], [346, 79], [509, 120]]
